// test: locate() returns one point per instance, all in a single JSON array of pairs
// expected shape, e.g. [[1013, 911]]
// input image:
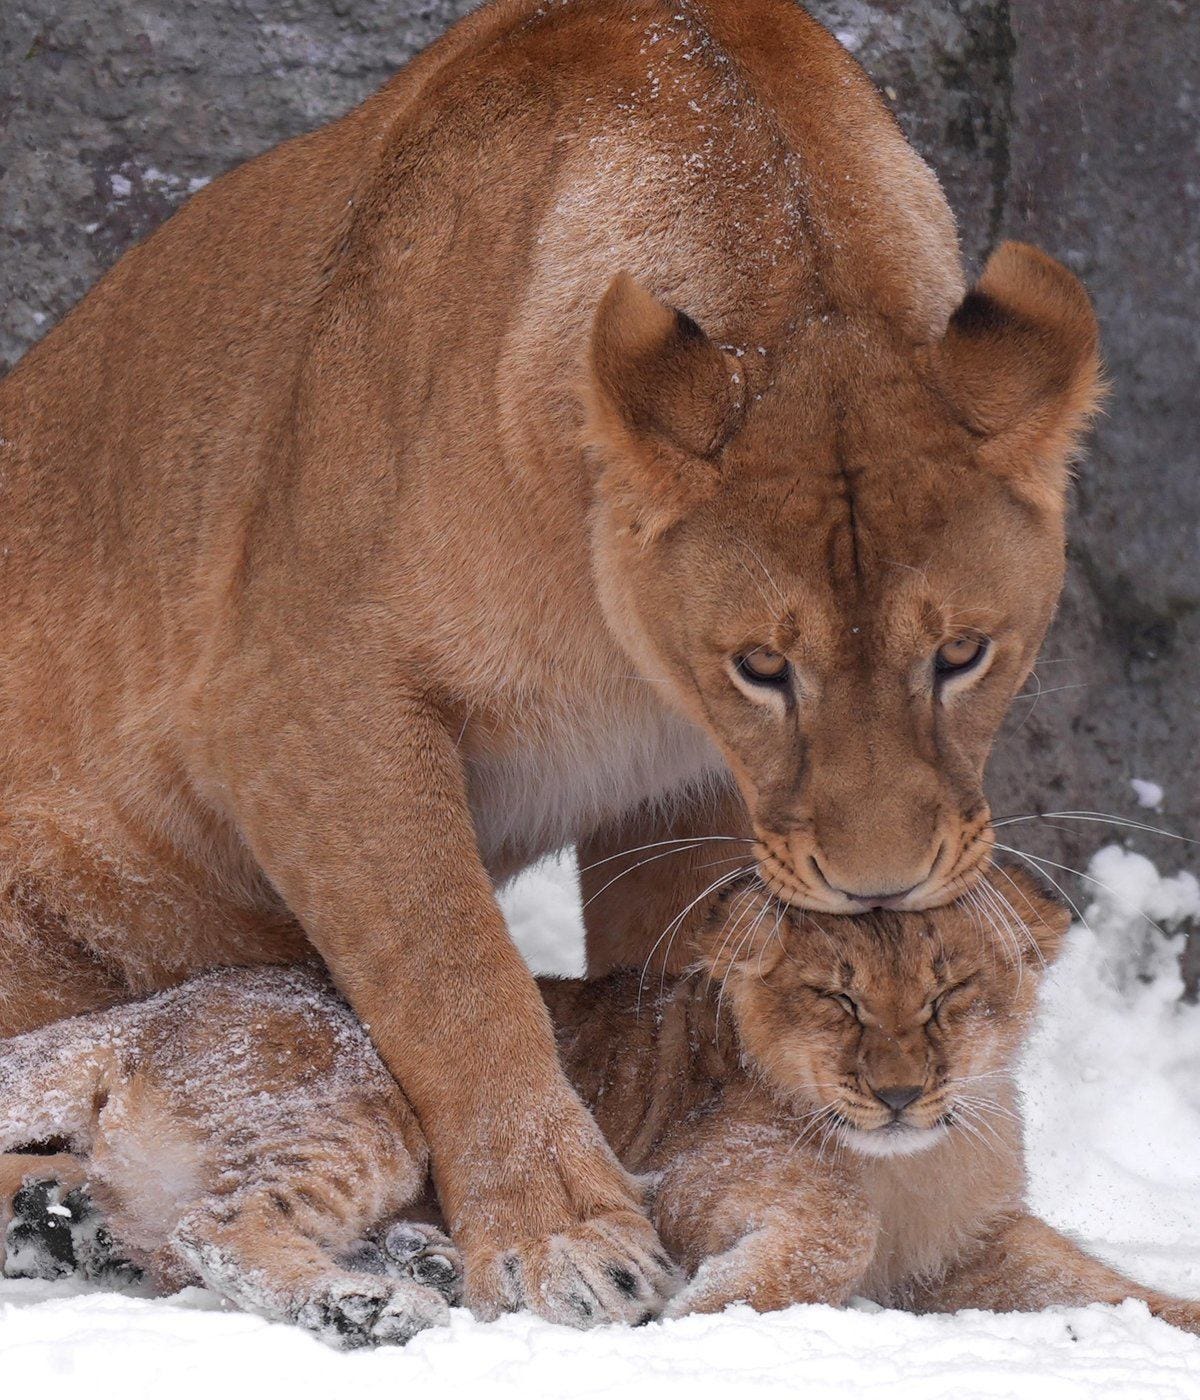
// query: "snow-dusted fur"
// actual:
[[243, 1130]]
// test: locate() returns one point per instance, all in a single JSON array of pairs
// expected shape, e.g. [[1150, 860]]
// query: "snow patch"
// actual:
[[1148, 794]]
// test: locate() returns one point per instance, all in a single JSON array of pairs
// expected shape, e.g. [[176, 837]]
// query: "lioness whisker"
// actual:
[[969, 904], [652, 845], [1051, 690], [1020, 922], [661, 855], [676, 923], [1083, 875], [1007, 915], [747, 938], [1105, 818], [1051, 880], [766, 943], [728, 930], [1019, 928], [1000, 929]]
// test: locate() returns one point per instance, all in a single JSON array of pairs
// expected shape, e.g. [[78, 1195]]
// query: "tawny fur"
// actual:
[[242, 1127], [378, 525]]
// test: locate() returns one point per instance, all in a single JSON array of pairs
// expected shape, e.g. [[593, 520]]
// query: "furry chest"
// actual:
[[557, 784]]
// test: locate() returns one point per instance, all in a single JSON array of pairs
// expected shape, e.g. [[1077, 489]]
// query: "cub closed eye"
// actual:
[[939, 1003], [763, 666], [958, 655], [848, 1004]]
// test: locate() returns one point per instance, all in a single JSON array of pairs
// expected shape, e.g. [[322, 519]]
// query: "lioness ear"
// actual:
[[664, 399], [1020, 363]]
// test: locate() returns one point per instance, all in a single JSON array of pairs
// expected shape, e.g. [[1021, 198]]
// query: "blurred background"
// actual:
[[1074, 124]]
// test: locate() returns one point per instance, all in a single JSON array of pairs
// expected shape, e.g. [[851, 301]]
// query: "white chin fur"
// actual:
[[892, 1142]]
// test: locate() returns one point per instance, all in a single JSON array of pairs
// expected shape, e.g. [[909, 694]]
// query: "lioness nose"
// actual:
[[898, 1096]]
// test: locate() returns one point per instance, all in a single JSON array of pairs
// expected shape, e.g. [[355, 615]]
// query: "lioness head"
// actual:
[[886, 1030], [839, 555]]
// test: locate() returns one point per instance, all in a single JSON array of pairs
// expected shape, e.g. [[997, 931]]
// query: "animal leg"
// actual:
[[760, 1222], [45, 976], [35, 1222], [1025, 1265], [403, 911], [50, 1080], [411, 1249], [263, 1251]]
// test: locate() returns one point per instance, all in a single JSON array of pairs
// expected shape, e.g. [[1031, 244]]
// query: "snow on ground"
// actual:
[[1112, 1082]]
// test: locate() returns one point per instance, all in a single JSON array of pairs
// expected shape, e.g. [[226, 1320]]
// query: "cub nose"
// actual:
[[898, 1096]]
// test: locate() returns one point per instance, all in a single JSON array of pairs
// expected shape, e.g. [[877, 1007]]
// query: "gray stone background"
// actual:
[[1074, 124]]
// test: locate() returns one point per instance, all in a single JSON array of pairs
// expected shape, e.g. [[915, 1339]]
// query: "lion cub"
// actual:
[[822, 1108]]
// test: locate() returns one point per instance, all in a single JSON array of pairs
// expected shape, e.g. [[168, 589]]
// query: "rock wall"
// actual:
[[1071, 124]]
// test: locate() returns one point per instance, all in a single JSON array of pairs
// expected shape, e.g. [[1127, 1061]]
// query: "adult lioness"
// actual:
[[380, 525]]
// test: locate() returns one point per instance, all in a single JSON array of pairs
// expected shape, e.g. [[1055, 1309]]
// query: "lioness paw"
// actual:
[[608, 1269]]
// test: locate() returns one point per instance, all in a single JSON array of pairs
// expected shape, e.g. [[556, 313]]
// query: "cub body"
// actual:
[[820, 1109]]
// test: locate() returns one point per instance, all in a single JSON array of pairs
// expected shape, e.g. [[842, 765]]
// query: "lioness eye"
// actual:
[[848, 1004], [959, 654], [764, 667]]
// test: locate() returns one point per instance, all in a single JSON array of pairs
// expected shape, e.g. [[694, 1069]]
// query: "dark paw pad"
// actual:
[[364, 1257], [349, 1315], [426, 1255], [39, 1243]]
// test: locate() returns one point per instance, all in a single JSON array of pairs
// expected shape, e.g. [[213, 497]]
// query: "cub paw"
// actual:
[[608, 1269], [56, 1232], [425, 1254], [701, 1296], [98, 1257], [352, 1312], [38, 1243]]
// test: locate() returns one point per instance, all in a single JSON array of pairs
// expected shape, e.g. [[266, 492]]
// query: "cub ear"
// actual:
[[664, 400], [1020, 363], [739, 931], [1045, 917]]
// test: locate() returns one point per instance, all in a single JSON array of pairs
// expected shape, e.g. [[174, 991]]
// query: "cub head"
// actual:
[[886, 1030], [838, 554]]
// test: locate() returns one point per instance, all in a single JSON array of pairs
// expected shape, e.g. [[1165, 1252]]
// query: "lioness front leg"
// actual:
[[373, 848], [760, 1222], [1026, 1265]]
